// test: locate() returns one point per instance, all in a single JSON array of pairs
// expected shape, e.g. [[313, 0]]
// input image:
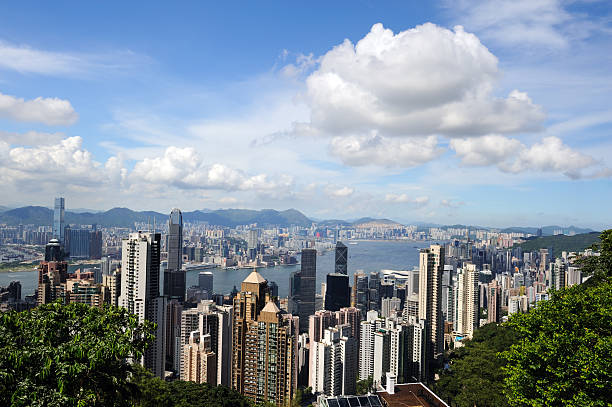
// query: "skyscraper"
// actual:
[[341, 258], [337, 292], [205, 281], [334, 362], [52, 277], [558, 274], [468, 301], [431, 263], [302, 290], [140, 258], [200, 360], [361, 293], [247, 305], [216, 321], [264, 354], [174, 276], [174, 310], [494, 298], [58, 220]]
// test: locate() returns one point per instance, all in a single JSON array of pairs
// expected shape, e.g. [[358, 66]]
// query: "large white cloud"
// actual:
[[64, 163], [486, 150], [68, 164], [510, 155], [184, 168], [423, 81], [384, 151], [49, 111]]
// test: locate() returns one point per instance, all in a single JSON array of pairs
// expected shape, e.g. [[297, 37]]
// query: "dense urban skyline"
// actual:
[[503, 121]]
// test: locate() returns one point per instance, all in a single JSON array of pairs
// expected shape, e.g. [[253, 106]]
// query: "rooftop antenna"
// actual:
[[153, 224], [148, 223]]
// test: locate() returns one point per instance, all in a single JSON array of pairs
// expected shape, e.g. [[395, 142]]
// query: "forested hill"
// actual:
[[124, 217], [561, 243]]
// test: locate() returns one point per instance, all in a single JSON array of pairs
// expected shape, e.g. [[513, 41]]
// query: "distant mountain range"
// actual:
[[124, 217]]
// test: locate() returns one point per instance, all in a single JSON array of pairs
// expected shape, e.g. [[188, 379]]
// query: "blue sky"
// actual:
[[492, 113]]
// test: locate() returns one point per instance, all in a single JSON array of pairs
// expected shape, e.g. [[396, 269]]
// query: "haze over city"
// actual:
[[493, 113]]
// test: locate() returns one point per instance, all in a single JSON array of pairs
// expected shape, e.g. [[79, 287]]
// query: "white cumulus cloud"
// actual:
[[184, 168], [424, 81], [336, 191], [486, 150], [385, 151], [418, 201], [65, 162], [510, 155], [49, 111]]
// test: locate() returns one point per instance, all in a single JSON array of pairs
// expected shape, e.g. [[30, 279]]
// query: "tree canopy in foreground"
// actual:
[[475, 377], [154, 392], [564, 353], [76, 355], [68, 355]]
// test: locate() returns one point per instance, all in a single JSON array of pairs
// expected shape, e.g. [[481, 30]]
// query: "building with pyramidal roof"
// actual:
[[264, 353]]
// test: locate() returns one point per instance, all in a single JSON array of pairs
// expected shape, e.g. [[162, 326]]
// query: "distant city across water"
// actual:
[[366, 255]]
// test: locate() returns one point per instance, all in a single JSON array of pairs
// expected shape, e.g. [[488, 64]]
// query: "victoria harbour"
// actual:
[[366, 255]]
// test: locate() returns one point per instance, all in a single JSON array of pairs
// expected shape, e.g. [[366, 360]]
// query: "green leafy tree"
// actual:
[[564, 355], [474, 376], [154, 392], [69, 355], [599, 267], [364, 386]]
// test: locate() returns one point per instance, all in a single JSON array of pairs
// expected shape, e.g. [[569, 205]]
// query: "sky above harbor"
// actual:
[[493, 113]]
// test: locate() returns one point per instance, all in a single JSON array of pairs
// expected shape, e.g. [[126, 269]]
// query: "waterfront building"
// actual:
[[58, 219], [341, 259]]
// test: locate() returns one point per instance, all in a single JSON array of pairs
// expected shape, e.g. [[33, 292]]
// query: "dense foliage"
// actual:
[[154, 392], [68, 355], [599, 267], [564, 353], [474, 377], [364, 386], [76, 355]]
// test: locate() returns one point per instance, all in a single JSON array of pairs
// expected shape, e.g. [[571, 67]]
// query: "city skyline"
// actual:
[[509, 135]]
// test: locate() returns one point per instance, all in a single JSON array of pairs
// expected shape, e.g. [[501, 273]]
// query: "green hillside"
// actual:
[[561, 243]]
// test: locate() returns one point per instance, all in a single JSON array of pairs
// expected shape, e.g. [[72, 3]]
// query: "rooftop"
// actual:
[[411, 395], [271, 307], [255, 278]]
